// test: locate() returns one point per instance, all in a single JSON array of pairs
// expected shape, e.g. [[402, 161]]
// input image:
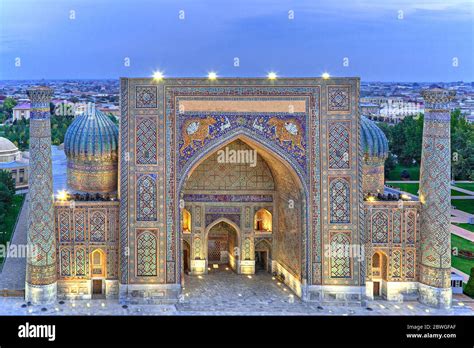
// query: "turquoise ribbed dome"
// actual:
[[374, 141], [91, 136]]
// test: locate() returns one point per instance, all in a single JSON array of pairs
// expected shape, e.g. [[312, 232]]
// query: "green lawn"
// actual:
[[460, 263], [395, 173], [458, 193], [407, 187], [465, 226], [466, 186], [466, 205], [413, 189], [10, 219]]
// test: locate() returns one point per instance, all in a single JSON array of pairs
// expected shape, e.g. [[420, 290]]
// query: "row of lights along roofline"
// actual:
[[212, 75]]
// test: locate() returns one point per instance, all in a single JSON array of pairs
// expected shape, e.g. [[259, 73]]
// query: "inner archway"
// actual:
[[222, 245], [261, 196]]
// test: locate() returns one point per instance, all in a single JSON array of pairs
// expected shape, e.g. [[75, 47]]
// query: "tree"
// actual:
[[8, 105], [7, 179], [5, 194], [469, 288]]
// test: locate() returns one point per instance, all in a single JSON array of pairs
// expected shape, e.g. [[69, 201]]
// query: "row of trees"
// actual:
[[405, 142], [7, 190], [19, 132]]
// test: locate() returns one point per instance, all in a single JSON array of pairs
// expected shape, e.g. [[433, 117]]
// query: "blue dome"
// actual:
[[374, 141], [91, 136]]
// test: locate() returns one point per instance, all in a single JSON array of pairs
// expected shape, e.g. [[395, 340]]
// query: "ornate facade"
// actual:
[[254, 173]]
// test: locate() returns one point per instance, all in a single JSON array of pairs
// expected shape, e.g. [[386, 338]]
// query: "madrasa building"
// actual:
[[155, 199]]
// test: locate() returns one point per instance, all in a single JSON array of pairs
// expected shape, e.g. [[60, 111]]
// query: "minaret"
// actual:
[[435, 198], [40, 284]]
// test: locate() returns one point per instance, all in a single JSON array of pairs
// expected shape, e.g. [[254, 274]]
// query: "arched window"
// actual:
[[146, 254], [146, 198], [340, 256], [98, 263], [186, 221], [263, 221], [376, 260], [339, 201]]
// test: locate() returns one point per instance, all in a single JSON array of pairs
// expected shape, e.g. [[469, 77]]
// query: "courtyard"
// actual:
[[223, 292]]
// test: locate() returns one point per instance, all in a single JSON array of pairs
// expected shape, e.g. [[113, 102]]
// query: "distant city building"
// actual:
[[12, 160], [393, 109], [21, 110]]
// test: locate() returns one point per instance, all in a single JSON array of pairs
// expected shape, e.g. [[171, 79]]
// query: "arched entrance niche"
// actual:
[[98, 271], [263, 256], [222, 243], [379, 273], [211, 190]]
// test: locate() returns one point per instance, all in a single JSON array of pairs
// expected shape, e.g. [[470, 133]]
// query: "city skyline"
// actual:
[[397, 41]]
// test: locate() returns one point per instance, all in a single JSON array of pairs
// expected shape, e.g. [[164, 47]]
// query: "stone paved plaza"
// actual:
[[226, 293]]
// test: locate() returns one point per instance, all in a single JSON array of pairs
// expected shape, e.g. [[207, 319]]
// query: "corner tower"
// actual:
[[40, 284], [435, 265]]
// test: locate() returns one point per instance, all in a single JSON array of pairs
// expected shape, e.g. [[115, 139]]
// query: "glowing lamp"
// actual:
[[62, 195], [158, 76], [272, 75]]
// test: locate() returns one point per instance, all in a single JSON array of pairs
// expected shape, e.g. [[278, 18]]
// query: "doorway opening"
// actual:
[[222, 242]]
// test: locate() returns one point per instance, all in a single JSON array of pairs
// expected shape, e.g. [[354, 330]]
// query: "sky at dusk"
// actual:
[[400, 40]]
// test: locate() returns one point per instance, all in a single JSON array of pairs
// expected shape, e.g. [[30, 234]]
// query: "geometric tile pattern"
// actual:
[[65, 265], [64, 228], [146, 254], [97, 227], [146, 198], [81, 262], [340, 256], [339, 98], [410, 227], [379, 227], [397, 227], [434, 190], [410, 264], [396, 262], [146, 141], [212, 175], [339, 146], [79, 226], [339, 200], [41, 267], [146, 97]]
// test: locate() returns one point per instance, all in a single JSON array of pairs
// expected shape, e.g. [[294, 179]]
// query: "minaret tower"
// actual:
[[40, 284], [435, 198]]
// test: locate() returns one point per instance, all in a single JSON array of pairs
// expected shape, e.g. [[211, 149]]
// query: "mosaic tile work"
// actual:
[[434, 191], [340, 255], [146, 254], [146, 150], [146, 97], [339, 145], [339, 98], [41, 267], [339, 200], [146, 198], [380, 227], [284, 130]]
